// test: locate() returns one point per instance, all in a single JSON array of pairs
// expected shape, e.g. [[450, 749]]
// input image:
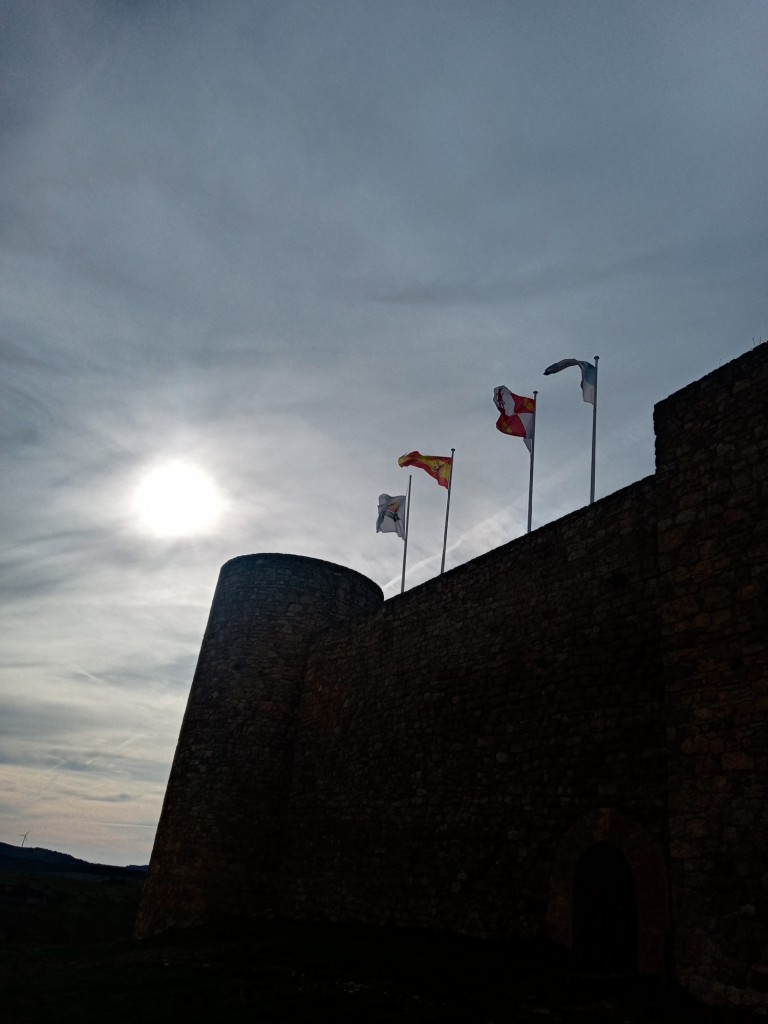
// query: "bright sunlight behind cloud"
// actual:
[[178, 499]]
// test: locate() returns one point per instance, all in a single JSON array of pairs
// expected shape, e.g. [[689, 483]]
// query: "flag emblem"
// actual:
[[517, 415], [391, 517], [438, 466]]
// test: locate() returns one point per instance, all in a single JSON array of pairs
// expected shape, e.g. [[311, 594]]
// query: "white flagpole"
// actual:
[[594, 438], [533, 449], [447, 508], [405, 539]]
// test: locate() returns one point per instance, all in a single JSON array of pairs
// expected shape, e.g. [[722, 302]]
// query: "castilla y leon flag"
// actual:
[[391, 518], [588, 376], [517, 415], [438, 466]]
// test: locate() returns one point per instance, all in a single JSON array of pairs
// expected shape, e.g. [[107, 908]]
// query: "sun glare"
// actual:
[[178, 499]]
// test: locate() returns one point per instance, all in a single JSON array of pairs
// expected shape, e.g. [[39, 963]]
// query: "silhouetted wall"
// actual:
[[218, 844], [712, 487], [456, 757]]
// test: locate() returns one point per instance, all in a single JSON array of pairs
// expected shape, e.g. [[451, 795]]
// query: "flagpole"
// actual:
[[594, 438], [533, 449], [407, 521], [447, 507]]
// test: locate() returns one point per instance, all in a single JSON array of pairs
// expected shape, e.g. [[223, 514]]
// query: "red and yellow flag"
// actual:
[[517, 414], [438, 466]]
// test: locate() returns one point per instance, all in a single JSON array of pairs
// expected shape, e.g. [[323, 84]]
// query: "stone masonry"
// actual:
[[455, 758]]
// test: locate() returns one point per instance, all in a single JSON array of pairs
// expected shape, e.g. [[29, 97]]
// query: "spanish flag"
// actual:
[[438, 466]]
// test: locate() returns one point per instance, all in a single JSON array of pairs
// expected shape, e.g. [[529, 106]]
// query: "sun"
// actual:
[[178, 499]]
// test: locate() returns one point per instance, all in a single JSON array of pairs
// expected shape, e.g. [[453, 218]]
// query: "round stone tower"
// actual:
[[217, 849]]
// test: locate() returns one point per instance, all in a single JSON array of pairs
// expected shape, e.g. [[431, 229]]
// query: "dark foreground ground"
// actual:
[[67, 956]]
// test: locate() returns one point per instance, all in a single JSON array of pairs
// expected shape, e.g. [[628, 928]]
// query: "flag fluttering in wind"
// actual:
[[391, 518], [588, 376], [589, 394], [438, 466], [517, 415]]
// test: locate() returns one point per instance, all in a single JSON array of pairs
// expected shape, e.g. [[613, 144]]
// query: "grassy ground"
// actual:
[[67, 956]]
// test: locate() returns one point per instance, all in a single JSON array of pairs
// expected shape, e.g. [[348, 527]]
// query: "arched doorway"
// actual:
[[638, 854], [604, 912]]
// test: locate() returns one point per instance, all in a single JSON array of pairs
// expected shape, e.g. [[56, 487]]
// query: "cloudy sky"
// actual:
[[279, 243]]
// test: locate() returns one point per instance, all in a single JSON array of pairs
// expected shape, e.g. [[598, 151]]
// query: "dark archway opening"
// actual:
[[604, 912]]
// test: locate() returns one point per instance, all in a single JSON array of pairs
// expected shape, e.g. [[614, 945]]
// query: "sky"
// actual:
[[272, 246]]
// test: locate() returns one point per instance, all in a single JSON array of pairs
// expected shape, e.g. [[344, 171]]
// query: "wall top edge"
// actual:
[[278, 558], [737, 367], [539, 535]]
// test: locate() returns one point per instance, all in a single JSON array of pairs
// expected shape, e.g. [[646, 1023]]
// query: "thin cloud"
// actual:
[[288, 243]]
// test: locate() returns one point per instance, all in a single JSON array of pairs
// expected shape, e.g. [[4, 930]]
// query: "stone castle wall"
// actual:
[[446, 745], [712, 454], [219, 840], [453, 757]]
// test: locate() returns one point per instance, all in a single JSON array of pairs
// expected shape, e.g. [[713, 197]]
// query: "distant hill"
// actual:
[[32, 860]]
